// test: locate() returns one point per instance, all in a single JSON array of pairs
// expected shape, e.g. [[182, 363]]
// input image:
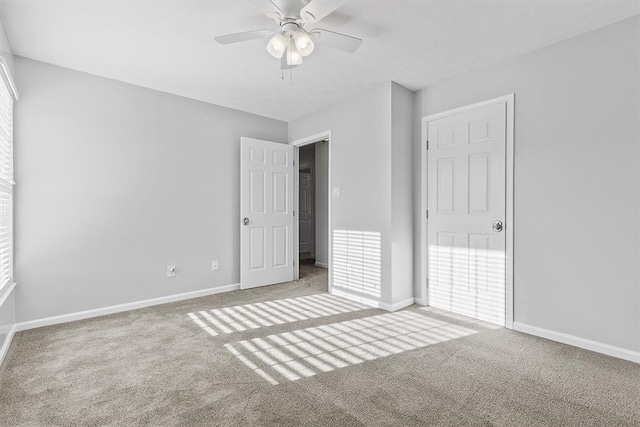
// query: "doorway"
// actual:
[[306, 205], [312, 173], [467, 200]]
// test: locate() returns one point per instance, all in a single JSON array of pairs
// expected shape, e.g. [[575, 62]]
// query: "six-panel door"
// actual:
[[266, 209], [466, 194]]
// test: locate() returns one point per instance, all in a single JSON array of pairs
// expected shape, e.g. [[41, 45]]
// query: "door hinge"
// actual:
[[427, 213], [294, 163], [294, 262], [427, 282], [294, 213], [427, 144]]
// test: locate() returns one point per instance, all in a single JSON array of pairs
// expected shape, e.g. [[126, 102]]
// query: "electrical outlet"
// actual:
[[335, 192], [171, 271], [214, 265]]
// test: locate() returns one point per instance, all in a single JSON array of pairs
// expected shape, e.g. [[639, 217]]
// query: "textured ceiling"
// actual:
[[168, 45]]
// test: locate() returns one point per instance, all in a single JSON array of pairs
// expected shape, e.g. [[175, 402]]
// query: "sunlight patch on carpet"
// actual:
[[269, 313], [294, 355]]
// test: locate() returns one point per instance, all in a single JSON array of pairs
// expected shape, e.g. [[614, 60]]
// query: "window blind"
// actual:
[[6, 184]]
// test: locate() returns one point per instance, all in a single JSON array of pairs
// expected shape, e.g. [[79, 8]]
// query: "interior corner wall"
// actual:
[[401, 193], [577, 186], [115, 183], [361, 168]]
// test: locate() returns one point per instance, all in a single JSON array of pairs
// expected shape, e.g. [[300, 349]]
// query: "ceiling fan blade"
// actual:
[[283, 63], [273, 11], [241, 37], [318, 9], [337, 41]]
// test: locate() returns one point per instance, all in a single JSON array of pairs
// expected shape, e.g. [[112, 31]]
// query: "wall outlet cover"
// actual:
[[336, 192], [171, 271], [214, 265]]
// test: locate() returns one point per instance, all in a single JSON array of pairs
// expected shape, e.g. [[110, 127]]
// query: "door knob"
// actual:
[[497, 226], [245, 221]]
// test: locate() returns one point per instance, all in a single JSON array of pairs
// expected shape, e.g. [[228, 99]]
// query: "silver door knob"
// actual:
[[497, 226], [245, 221]]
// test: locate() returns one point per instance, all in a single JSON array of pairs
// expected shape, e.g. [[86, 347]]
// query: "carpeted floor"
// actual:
[[293, 355]]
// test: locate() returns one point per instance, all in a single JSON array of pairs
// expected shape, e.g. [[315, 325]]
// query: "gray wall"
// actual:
[[577, 157], [5, 47], [115, 183], [360, 152], [364, 141], [401, 192]]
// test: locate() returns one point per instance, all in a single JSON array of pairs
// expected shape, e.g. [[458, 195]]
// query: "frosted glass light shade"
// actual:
[[293, 56], [303, 42], [277, 45]]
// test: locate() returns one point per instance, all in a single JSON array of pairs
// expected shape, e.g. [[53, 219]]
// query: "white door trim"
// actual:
[[509, 100], [326, 135]]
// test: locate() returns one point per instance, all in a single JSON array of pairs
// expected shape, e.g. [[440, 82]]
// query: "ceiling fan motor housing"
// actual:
[[290, 27]]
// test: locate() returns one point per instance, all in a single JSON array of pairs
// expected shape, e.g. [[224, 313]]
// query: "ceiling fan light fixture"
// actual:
[[291, 42], [277, 45], [303, 43], [293, 56]]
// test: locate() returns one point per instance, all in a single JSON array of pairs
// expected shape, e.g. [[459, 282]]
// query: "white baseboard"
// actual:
[[420, 301], [87, 314], [7, 343], [596, 346], [321, 265], [399, 305], [372, 302]]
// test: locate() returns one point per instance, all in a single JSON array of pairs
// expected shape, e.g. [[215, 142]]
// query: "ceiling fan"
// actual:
[[291, 42]]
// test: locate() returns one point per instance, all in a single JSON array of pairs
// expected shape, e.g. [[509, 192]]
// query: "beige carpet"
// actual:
[[293, 355]]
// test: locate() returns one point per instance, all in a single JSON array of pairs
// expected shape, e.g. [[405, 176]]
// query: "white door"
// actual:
[[466, 213], [266, 208], [305, 219]]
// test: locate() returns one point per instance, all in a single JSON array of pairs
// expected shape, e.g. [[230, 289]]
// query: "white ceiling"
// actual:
[[168, 44]]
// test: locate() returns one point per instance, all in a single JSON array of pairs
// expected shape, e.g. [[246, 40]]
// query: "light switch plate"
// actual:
[[336, 192]]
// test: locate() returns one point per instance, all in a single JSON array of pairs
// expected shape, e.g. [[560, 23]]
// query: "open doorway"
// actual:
[[312, 213], [306, 205]]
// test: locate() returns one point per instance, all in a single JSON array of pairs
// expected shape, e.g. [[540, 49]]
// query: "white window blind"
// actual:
[[6, 184]]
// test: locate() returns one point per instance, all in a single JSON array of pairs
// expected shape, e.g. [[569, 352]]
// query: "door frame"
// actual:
[[509, 100], [319, 137]]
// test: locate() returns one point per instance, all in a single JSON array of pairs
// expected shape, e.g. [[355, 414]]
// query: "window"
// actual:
[[6, 175]]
